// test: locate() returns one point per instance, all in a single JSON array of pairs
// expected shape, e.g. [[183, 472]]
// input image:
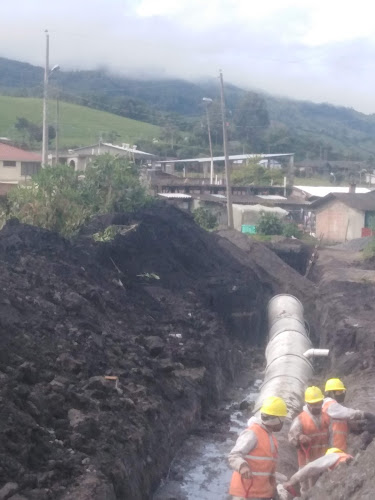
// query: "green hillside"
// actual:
[[78, 125]]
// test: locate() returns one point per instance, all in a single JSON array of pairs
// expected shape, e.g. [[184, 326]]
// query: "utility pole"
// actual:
[[57, 127], [227, 167], [45, 99], [207, 100]]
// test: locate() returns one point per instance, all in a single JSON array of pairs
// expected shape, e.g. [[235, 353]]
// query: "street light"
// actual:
[[208, 101], [47, 74]]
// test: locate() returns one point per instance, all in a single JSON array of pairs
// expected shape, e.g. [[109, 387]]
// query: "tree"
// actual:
[[112, 185], [112, 136], [251, 119], [32, 132]]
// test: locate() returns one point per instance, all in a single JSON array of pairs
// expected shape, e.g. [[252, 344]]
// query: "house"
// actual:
[[180, 200], [245, 204], [79, 158], [267, 163], [312, 193], [344, 216], [16, 165], [191, 164]]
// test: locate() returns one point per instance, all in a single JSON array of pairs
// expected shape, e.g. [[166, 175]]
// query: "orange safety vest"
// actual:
[[343, 457], [319, 438], [339, 429], [262, 461]]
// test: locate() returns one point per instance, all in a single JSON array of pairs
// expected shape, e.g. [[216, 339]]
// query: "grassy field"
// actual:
[[79, 126]]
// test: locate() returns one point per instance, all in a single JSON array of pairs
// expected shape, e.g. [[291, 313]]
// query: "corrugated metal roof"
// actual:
[[271, 197], [11, 153], [130, 150], [358, 201], [260, 208], [251, 200], [175, 196], [108, 144], [325, 190], [231, 157]]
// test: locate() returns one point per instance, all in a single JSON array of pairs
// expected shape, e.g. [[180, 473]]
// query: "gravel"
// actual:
[[356, 245]]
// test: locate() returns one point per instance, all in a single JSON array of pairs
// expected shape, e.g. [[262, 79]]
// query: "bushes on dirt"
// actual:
[[253, 173], [291, 229], [52, 200], [60, 199], [205, 218], [269, 224]]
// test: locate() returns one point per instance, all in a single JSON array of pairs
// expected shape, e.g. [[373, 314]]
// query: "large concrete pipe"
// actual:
[[288, 371]]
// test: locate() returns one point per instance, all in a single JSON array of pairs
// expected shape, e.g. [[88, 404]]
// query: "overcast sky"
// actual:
[[320, 50]]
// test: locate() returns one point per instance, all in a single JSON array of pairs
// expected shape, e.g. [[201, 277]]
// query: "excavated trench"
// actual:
[[170, 313], [176, 317], [339, 306], [199, 469]]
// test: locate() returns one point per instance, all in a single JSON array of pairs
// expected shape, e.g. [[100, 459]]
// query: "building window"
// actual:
[[29, 168], [8, 163]]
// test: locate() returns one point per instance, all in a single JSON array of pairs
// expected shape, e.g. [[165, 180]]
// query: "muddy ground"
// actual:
[[173, 313], [170, 310]]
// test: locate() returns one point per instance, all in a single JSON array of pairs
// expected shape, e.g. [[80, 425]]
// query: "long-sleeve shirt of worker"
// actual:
[[295, 430], [340, 412], [246, 442], [314, 469]]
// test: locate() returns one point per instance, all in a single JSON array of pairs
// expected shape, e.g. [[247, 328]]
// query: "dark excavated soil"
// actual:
[[346, 305], [73, 313]]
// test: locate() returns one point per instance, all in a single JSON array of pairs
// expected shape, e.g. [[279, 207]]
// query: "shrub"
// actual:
[[269, 223], [57, 198], [205, 218], [291, 229]]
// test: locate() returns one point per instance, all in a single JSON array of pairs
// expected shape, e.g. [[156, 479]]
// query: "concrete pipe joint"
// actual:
[[288, 353]]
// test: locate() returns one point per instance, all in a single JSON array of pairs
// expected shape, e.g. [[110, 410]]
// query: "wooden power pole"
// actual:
[[227, 166]]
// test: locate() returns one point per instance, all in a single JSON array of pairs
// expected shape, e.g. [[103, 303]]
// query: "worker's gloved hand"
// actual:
[[305, 440], [292, 489], [245, 472]]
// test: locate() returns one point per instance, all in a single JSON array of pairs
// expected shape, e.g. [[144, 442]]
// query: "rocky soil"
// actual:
[[111, 353], [346, 284]]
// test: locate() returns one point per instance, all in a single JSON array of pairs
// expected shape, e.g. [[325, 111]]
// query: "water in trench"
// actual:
[[200, 469]]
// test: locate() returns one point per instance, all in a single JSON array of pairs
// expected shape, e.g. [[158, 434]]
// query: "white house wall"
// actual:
[[10, 173]]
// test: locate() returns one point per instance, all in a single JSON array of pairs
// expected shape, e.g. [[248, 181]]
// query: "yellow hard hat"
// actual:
[[334, 384], [333, 450], [274, 406], [313, 395]]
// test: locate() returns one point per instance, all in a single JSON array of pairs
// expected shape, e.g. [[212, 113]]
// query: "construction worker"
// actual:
[[340, 415], [312, 471], [254, 456], [309, 431]]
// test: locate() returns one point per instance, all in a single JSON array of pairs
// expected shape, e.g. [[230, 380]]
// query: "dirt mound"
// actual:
[[163, 310]]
